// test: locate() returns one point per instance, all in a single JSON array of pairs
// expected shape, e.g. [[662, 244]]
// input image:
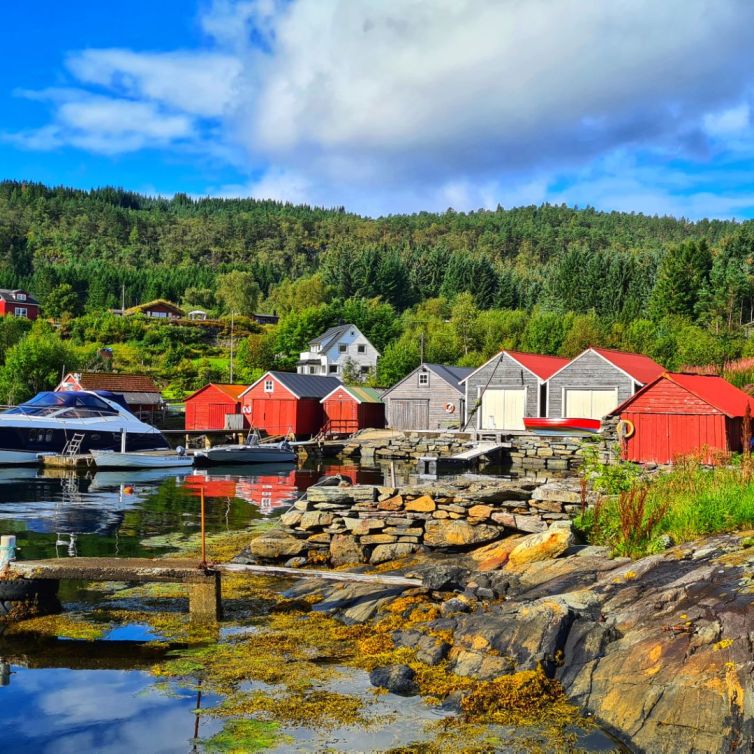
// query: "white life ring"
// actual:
[[625, 429], [450, 408], [246, 409]]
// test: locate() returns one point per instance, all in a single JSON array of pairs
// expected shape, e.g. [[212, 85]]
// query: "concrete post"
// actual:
[[205, 599], [7, 549]]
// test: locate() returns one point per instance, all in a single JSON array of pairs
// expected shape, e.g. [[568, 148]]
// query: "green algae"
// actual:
[[242, 736]]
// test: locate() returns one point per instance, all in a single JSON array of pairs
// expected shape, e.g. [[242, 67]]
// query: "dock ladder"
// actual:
[[73, 446]]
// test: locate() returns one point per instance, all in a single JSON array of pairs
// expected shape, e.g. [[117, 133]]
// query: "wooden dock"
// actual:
[[78, 462], [204, 582], [205, 597]]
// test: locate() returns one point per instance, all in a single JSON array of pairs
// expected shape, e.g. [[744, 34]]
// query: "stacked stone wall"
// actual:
[[362, 523]]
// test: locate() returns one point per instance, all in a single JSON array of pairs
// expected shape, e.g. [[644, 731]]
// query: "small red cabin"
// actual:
[[285, 403], [349, 409], [18, 303], [212, 406], [682, 414]]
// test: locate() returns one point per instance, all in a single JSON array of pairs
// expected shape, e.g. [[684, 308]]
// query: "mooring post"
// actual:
[[7, 549], [204, 531], [205, 599], [4, 673]]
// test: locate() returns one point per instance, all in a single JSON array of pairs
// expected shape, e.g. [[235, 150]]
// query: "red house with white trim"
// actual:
[[683, 414], [18, 303], [351, 408], [210, 406], [284, 403]]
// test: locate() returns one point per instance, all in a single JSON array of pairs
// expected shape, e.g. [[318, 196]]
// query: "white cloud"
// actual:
[[393, 105], [196, 83], [105, 125]]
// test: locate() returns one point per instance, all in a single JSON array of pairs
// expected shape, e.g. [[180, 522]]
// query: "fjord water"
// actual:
[[98, 702]]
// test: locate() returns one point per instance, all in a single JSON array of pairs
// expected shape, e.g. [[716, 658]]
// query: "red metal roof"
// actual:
[[640, 367], [715, 391], [232, 391], [543, 366]]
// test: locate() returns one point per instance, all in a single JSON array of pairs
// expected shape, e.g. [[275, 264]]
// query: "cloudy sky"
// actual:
[[388, 105]]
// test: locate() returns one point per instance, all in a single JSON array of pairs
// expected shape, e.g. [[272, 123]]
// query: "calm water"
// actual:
[[85, 701], [61, 696]]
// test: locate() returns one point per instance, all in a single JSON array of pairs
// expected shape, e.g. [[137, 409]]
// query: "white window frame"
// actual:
[[269, 386], [423, 379], [342, 348], [361, 348], [20, 297], [21, 311]]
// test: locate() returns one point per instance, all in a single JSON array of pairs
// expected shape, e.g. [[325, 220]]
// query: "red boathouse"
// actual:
[[682, 414], [350, 408], [286, 403], [211, 406]]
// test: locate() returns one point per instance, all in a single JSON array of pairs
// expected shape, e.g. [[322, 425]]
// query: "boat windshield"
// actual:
[[78, 405]]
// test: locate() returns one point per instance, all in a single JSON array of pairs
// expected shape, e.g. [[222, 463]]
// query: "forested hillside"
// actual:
[[549, 278]]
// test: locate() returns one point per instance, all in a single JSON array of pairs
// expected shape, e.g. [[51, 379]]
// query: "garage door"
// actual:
[[409, 414], [503, 409], [590, 404]]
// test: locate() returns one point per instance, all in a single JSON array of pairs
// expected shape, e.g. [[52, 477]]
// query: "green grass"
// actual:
[[242, 736], [689, 502]]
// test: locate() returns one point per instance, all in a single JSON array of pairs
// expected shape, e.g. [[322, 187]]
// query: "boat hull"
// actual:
[[575, 426], [154, 460], [229, 455], [19, 457]]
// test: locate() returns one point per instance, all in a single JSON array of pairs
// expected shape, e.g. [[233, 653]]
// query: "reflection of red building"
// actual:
[[270, 492]]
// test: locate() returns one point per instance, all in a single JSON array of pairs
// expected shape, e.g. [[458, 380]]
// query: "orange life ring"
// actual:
[[625, 429], [246, 409], [450, 408]]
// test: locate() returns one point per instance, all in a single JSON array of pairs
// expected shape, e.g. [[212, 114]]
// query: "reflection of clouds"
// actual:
[[67, 712]]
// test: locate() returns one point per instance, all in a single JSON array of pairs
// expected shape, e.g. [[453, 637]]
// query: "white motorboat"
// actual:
[[250, 452], [148, 459], [77, 422]]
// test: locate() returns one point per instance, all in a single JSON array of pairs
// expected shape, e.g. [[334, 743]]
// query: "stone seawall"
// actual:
[[529, 452], [362, 523]]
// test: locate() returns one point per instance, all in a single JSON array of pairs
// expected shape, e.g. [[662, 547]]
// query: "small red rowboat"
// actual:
[[562, 426]]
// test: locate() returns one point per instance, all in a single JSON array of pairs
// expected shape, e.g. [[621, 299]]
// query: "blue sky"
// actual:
[[388, 105]]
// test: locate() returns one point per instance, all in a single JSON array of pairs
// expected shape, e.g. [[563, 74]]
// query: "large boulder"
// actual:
[[543, 546], [399, 679], [493, 556], [276, 544], [393, 551], [458, 533]]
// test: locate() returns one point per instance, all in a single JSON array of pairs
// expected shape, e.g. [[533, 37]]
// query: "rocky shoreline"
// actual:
[[659, 650]]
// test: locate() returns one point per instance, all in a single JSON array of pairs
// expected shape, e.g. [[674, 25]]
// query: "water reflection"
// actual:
[[56, 711], [55, 514]]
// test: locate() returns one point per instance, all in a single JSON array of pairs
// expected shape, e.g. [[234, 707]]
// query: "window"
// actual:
[[423, 378], [333, 368], [20, 296], [362, 348], [312, 370], [342, 348], [268, 386], [21, 311], [364, 370]]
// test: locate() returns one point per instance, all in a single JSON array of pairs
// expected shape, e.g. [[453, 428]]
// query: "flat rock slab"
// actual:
[[115, 569]]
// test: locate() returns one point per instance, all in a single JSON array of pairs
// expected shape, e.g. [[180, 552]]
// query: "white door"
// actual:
[[590, 404], [503, 409]]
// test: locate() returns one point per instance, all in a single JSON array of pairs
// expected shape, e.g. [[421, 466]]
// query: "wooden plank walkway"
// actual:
[[301, 573], [479, 450]]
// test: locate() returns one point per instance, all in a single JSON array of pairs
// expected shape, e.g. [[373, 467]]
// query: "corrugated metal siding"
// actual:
[[661, 438], [207, 409]]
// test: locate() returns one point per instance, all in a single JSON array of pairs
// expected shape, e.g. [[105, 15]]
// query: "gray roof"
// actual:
[[307, 385], [330, 336], [451, 375], [10, 295]]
